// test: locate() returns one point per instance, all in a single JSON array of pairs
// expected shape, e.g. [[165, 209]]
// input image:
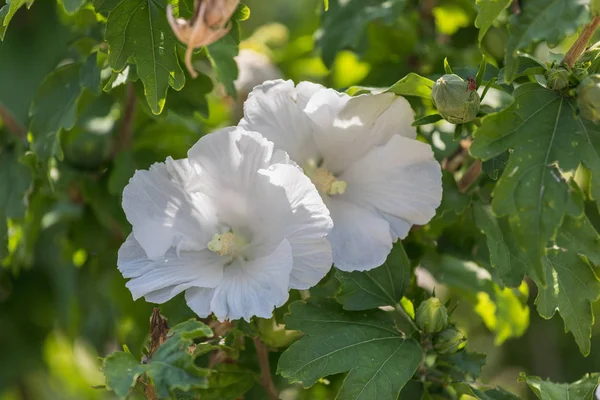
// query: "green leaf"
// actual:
[[494, 393], [138, 31], [505, 255], [551, 21], [382, 286], [428, 119], [344, 25], [192, 98], [489, 10], [326, 4], [228, 382], [121, 371], [221, 58], [412, 85], [572, 284], [527, 65], [15, 180], [379, 361], [8, 11], [463, 365], [90, 74], [54, 108], [453, 201], [171, 367], [583, 389], [542, 129], [447, 67], [123, 169]]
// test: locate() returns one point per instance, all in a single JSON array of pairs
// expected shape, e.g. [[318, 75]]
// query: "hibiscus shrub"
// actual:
[[363, 200]]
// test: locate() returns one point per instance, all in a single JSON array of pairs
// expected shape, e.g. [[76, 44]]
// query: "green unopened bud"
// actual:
[[456, 100], [274, 334], [557, 78], [449, 341], [431, 315], [588, 98]]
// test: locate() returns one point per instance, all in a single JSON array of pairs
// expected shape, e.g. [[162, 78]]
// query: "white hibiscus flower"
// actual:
[[362, 156], [235, 226]]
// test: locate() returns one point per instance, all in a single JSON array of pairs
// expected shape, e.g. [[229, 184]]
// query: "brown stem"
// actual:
[[265, 369], [470, 176], [11, 124], [125, 132], [581, 43], [516, 8]]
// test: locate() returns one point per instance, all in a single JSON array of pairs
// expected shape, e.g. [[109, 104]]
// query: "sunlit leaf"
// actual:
[[547, 137], [572, 284], [138, 31]]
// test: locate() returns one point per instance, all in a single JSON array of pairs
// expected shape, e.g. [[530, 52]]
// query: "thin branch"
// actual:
[[11, 124], [125, 132], [265, 369], [516, 8], [470, 176], [581, 43]]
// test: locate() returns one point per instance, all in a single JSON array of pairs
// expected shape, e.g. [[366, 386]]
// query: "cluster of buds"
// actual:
[[557, 78], [457, 101], [432, 319], [209, 23]]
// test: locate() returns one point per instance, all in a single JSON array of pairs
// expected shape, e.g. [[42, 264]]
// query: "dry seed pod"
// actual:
[[209, 23]]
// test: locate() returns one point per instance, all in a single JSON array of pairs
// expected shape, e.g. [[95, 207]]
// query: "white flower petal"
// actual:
[[275, 109], [161, 279], [254, 288], [349, 127], [401, 180], [198, 299], [312, 261], [360, 238], [162, 208], [303, 219], [229, 158]]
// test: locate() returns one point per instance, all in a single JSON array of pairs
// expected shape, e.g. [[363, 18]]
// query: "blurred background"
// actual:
[[63, 303]]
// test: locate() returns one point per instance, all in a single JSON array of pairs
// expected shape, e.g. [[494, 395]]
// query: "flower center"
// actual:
[[324, 181], [226, 244]]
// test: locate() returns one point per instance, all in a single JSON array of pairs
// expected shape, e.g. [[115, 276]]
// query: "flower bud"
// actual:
[[431, 315], [588, 98], [274, 334], [454, 99], [449, 341], [209, 23], [557, 78]]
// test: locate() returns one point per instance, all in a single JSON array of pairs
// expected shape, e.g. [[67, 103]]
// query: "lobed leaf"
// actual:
[[545, 135], [7, 12], [572, 284], [170, 368], [382, 286], [137, 31], [379, 361]]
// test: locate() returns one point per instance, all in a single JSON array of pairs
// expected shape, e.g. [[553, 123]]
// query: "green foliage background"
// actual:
[[68, 147]]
